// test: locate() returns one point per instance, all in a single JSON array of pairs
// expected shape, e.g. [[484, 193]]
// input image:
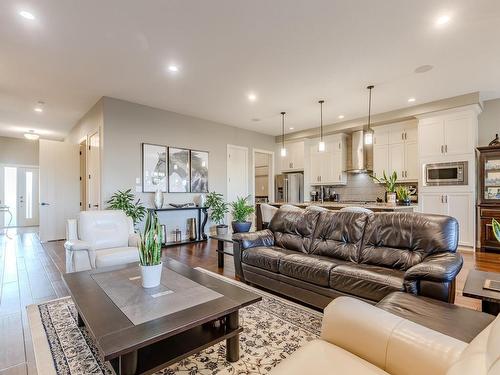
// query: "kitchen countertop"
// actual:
[[338, 205]]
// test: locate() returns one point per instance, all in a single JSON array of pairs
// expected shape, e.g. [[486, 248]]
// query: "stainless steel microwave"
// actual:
[[454, 173]]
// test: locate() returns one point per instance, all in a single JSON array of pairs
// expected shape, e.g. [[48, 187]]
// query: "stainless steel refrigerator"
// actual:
[[290, 188]]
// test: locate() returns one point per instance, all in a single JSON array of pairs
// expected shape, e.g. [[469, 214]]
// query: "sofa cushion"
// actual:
[[437, 315], [339, 234], [311, 268], [116, 256], [366, 281], [293, 227], [264, 257], [401, 240]]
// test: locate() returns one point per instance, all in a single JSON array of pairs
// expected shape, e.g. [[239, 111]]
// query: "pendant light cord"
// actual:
[[321, 120], [370, 105], [283, 129]]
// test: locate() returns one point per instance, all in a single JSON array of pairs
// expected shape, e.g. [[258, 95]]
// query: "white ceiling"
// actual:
[[289, 52]]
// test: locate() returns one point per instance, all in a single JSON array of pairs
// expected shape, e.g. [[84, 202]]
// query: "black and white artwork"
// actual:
[[154, 168], [199, 171], [178, 170]]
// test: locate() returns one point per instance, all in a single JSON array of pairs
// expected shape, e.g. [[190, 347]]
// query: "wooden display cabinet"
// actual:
[[489, 196]]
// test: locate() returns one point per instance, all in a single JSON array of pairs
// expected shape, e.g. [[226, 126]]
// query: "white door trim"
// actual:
[[271, 173]]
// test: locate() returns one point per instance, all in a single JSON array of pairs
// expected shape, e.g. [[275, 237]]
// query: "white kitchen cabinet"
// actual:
[[395, 149], [458, 205], [328, 167], [294, 159], [450, 134]]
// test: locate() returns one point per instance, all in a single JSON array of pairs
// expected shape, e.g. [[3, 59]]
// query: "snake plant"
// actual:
[[151, 239]]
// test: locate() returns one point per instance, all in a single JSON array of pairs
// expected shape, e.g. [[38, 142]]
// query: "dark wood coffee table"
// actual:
[[473, 288], [107, 308]]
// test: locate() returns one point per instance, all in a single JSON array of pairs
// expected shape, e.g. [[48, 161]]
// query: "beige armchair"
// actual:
[[358, 338], [99, 239]]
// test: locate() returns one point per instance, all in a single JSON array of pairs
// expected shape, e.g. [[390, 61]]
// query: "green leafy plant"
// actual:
[[496, 229], [150, 243], [241, 209], [403, 193], [217, 206], [389, 182], [124, 200]]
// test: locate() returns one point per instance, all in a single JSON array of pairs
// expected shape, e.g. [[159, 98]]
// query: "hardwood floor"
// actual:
[[31, 273]]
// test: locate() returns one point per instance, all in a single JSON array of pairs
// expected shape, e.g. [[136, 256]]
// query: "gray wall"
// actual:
[[18, 151], [489, 121], [127, 125], [88, 124]]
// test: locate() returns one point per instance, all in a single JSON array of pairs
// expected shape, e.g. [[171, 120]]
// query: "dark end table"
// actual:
[[490, 299], [221, 241]]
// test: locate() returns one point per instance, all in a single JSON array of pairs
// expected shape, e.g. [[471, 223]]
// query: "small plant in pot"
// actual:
[[124, 200], [403, 194], [390, 186], [241, 210], [150, 252], [218, 210]]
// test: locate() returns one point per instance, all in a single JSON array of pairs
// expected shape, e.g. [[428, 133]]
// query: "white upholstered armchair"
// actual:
[[99, 239]]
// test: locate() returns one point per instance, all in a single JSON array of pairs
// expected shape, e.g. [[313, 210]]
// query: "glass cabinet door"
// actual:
[[491, 183]]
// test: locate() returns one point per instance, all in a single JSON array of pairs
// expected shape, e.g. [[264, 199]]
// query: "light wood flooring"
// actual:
[[31, 273]]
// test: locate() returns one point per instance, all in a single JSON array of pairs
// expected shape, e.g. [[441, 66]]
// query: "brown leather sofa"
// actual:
[[315, 255]]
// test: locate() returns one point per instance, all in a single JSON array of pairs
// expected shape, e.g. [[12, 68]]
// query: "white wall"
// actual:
[[489, 122], [18, 151], [91, 122], [127, 125]]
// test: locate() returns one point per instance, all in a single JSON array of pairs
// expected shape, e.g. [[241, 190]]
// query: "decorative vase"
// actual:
[[391, 198], [241, 226], [151, 275], [221, 229], [158, 198]]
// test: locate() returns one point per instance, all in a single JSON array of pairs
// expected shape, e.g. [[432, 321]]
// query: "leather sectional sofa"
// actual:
[[314, 255]]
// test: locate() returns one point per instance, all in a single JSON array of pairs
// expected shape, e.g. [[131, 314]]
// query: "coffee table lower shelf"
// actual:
[[159, 355]]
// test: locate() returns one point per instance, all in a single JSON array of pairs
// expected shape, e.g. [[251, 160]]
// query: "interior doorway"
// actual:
[[237, 174], [83, 175], [19, 194], [263, 172]]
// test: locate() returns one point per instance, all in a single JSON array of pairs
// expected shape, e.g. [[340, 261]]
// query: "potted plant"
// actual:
[[124, 200], [241, 210], [403, 194], [218, 210], [150, 251], [390, 186]]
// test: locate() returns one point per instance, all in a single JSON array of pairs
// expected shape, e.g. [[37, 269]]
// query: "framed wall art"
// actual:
[[178, 170], [199, 171], [154, 168]]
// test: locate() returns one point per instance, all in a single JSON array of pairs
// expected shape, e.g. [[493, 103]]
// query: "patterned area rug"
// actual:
[[273, 329]]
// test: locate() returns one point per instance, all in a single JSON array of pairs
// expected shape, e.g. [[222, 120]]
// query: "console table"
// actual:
[[201, 236]]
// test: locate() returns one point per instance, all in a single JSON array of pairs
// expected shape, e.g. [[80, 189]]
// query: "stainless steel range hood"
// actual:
[[359, 153]]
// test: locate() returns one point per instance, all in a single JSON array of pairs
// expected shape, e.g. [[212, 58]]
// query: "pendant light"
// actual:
[[321, 144], [369, 130], [283, 149]]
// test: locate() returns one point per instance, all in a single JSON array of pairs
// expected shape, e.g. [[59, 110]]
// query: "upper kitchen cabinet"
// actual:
[[448, 133], [328, 167], [395, 149], [294, 159]]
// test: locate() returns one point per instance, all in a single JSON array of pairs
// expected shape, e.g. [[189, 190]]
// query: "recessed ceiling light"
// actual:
[[441, 20], [411, 100], [423, 68], [291, 128], [173, 68], [252, 97], [341, 117], [38, 109], [27, 15], [31, 135]]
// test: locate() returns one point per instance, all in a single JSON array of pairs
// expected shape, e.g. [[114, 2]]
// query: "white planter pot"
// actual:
[[391, 198], [151, 275]]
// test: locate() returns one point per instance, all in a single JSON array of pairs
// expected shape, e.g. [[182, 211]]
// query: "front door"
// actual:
[[27, 197]]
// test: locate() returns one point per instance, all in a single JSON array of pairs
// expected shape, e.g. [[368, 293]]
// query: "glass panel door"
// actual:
[[27, 197], [491, 183]]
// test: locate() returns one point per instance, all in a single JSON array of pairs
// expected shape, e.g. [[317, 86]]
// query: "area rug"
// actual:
[[273, 329]]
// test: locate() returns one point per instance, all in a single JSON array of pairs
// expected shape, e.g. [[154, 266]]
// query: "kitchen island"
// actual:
[[374, 206]]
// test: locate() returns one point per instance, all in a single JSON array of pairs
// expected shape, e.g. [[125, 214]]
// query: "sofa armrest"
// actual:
[[439, 267], [134, 240], [76, 245], [254, 239], [393, 344]]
